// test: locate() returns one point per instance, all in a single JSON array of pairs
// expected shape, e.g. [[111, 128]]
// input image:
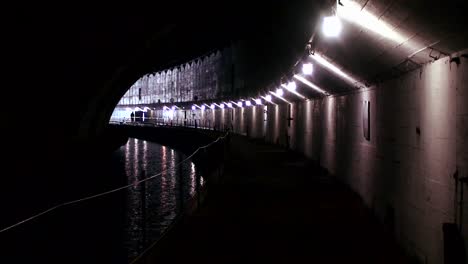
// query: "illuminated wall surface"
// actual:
[[418, 125], [404, 172], [205, 78]]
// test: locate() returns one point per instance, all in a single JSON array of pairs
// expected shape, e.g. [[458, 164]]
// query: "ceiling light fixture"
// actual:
[[279, 92], [331, 26], [307, 68]]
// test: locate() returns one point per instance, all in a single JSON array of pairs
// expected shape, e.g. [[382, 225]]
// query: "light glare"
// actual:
[[307, 68], [311, 85], [324, 62], [279, 92], [353, 12], [294, 92], [331, 26], [279, 97], [247, 103], [268, 98], [291, 86]]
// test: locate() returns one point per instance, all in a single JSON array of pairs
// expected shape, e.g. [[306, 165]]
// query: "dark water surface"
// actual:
[[114, 228], [163, 194]]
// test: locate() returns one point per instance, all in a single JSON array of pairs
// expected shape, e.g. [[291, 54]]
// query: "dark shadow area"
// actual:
[[275, 206]]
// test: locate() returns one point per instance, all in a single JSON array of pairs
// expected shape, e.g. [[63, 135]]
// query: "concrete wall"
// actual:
[[418, 127], [404, 172]]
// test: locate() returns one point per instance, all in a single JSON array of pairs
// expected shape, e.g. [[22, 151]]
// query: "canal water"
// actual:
[[152, 206], [113, 228]]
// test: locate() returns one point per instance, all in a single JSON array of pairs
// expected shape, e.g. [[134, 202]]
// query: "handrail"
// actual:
[[198, 123]]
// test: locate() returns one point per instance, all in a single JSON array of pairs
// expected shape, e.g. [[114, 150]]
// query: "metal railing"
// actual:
[[198, 123]]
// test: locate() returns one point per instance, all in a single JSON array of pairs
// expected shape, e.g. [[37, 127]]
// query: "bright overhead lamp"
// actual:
[[307, 68], [247, 103], [331, 26], [291, 86], [279, 92]]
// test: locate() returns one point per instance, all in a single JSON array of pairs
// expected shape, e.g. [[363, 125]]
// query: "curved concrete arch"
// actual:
[[416, 94]]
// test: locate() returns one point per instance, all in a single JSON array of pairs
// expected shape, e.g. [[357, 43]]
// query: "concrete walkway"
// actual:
[[274, 207]]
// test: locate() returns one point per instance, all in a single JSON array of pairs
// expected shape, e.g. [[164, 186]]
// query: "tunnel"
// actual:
[[326, 131]]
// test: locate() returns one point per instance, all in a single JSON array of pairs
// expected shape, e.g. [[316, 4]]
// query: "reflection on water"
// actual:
[[153, 205]]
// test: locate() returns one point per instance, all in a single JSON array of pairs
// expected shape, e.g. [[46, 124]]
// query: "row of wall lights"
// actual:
[[331, 28]]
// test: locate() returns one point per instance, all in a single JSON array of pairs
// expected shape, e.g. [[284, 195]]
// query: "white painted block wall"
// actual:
[[419, 135]]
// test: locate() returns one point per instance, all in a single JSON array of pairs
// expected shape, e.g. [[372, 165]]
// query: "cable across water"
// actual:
[[136, 183]]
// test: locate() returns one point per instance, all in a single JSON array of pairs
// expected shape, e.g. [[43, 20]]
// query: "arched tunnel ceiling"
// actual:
[[423, 31], [99, 53], [163, 35], [276, 33], [419, 32], [119, 47]]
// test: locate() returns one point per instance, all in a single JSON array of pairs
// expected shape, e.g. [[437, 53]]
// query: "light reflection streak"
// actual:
[[145, 157], [162, 197], [354, 13], [127, 158], [333, 68], [135, 162], [268, 99], [164, 171], [172, 181], [279, 97], [292, 91], [192, 179], [310, 84], [202, 181]]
